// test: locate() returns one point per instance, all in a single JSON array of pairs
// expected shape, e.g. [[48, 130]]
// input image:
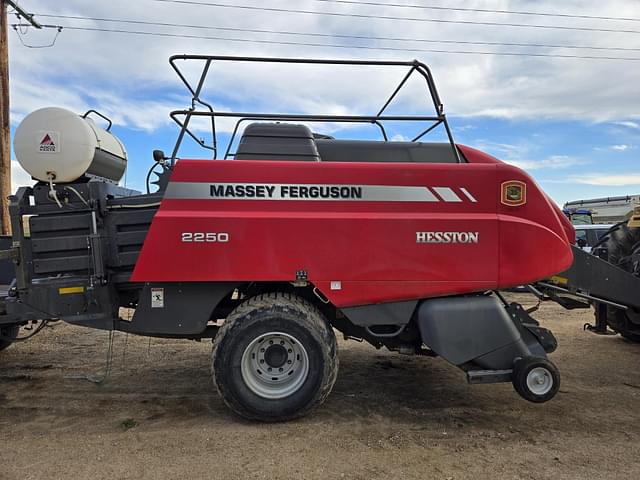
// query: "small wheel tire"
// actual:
[[7, 334], [536, 379], [287, 336]]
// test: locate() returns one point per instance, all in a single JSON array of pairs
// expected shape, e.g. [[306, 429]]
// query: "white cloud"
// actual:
[[616, 180], [620, 148], [400, 138], [553, 162], [523, 155], [464, 128], [503, 150], [128, 75], [629, 124]]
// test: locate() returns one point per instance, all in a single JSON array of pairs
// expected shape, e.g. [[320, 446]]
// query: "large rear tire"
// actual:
[[7, 334], [274, 358], [623, 249]]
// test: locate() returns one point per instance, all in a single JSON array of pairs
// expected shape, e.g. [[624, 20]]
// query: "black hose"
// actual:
[[32, 334]]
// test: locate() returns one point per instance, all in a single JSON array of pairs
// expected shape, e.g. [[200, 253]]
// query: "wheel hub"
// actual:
[[275, 356], [274, 365], [539, 381]]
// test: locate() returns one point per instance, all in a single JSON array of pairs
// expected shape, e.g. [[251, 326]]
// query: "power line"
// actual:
[[22, 14], [349, 47], [29, 45], [481, 10], [391, 17], [332, 35]]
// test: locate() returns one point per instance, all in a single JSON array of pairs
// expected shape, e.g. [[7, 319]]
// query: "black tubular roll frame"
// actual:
[[183, 117]]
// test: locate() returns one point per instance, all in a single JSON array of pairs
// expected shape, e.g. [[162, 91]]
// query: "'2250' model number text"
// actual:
[[204, 237]]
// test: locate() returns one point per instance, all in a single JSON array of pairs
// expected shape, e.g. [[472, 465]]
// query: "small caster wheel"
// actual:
[[536, 379]]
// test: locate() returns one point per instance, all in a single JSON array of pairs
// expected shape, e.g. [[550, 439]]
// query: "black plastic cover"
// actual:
[[277, 141], [378, 151], [471, 329]]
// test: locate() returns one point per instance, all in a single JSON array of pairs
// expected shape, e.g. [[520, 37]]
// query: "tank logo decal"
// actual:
[[49, 143], [447, 237], [288, 191]]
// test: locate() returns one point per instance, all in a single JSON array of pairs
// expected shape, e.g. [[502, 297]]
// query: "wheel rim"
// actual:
[[539, 381], [274, 365]]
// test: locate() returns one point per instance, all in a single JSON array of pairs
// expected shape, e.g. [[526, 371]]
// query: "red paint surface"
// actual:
[[370, 247]]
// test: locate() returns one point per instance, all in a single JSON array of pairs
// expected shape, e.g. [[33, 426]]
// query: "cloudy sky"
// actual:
[[572, 123]]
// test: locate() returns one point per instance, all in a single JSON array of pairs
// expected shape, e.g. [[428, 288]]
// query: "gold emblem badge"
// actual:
[[514, 193]]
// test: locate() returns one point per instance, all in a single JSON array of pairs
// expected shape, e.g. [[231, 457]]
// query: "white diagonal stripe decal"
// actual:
[[469, 196], [447, 194]]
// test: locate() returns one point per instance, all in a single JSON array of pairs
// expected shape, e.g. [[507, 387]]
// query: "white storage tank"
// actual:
[[57, 143]]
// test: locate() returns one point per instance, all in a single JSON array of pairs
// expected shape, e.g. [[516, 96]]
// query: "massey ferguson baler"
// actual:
[[271, 248]]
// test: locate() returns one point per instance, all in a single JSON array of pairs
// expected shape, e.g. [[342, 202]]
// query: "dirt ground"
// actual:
[[389, 416]]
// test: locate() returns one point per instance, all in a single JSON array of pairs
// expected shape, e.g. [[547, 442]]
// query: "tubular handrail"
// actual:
[[183, 117]]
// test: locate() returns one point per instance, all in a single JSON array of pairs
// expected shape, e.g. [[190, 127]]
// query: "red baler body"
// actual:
[[359, 252]]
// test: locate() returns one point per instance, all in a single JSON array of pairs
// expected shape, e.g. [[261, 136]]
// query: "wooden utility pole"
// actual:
[[5, 146], [5, 149]]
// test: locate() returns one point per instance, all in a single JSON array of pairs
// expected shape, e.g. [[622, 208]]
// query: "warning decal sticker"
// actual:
[[157, 298]]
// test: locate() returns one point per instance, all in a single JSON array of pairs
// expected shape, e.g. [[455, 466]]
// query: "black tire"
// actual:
[[540, 369], [7, 334], [260, 318], [623, 249]]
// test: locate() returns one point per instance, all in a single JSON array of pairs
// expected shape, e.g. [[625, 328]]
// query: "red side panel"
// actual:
[[358, 250], [534, 237]]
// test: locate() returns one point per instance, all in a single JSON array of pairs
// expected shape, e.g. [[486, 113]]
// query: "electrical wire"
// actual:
[[138, 205], [393, 17], [13, 9], [350, 47], [43, 323], [24, 30], [18, 29], [480, 10], [332, 35]]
